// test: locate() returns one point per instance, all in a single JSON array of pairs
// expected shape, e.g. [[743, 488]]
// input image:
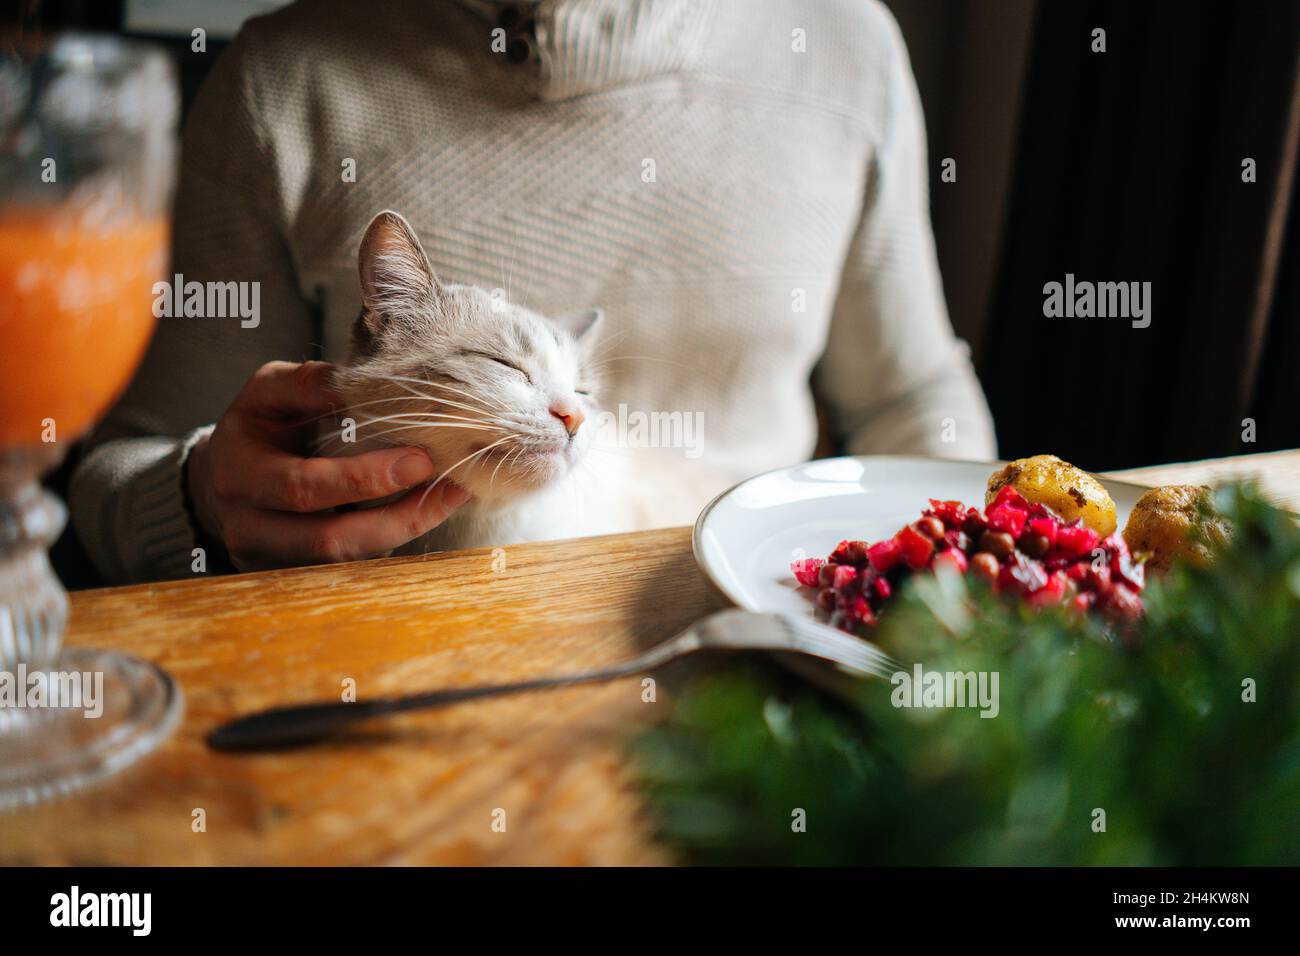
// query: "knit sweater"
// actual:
[[739, 184]]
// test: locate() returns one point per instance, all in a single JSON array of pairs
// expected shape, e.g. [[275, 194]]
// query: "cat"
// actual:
[[502, 399]]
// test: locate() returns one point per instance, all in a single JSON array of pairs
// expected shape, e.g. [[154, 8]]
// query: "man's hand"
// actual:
[[254, 492]]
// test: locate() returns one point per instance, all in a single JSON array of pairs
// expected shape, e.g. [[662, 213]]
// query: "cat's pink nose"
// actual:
[[570, 413]]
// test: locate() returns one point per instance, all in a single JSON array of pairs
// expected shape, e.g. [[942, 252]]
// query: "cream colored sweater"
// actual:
[[739, 184]]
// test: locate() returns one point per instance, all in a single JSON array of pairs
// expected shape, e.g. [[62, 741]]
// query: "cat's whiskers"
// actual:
[[427, 427], [467, 458], [402, 380], [468, 395], [424, 425], [514, 452], [518, 455], [608, 342], [595, 360], [470, 408], [479, 415], [429, 417], [343, 410], [406, 381]]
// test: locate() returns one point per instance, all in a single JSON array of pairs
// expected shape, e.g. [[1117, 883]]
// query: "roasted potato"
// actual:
[[1162, 523], [1068, 491]]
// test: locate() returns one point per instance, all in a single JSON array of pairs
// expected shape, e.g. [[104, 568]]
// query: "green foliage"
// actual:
[[1152, 729]]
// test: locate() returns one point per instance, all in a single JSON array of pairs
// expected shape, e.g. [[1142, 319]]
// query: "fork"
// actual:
[[732, 630]]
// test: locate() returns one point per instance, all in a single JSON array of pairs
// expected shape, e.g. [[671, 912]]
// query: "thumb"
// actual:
[[438, 502], [290, 389]]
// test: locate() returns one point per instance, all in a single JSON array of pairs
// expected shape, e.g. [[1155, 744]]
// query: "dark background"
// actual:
[[1122, 166]]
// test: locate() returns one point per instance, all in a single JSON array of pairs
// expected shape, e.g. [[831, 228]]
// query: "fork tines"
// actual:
[[822, 640]]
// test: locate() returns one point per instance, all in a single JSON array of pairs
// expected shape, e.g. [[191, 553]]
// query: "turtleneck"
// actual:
[[581, 46]]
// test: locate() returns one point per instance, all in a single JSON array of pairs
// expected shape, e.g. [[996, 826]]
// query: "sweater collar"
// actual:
[[585, 46]]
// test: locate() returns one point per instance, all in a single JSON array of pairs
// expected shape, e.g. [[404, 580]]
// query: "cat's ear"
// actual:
[[397, 282], [581, 325]]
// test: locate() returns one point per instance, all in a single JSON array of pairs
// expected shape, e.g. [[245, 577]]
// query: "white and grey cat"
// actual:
[[501, 397]]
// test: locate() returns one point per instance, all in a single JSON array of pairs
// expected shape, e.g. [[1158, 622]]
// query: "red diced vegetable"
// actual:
[[805, 571], [844, 575], [951, 513], [1076, 539], [1007, 518], [1007, 495], [917, 548], [974, 524], [884, 555], [1046, 527], [1050, 593], [957, 539]]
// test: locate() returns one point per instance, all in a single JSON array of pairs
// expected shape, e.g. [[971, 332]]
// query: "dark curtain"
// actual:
[[1129, 169]]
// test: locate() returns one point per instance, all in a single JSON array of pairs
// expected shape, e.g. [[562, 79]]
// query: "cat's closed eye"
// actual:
[[502, 361]]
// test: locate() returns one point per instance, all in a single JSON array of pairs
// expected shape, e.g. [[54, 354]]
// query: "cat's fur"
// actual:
[[462, 371]]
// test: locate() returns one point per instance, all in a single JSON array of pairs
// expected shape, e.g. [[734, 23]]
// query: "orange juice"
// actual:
[[75, 317]]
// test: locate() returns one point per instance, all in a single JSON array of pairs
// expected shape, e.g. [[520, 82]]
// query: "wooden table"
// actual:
[[424, 788]]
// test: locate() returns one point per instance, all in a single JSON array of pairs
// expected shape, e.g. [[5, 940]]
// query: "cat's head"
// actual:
[[498, 394]]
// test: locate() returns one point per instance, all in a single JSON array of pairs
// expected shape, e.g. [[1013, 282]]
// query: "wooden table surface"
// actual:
[[423, 788]]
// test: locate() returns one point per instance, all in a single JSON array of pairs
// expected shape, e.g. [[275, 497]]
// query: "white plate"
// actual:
[[746, 538]]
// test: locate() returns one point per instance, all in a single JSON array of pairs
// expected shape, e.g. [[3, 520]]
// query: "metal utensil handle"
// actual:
[[307, 723]]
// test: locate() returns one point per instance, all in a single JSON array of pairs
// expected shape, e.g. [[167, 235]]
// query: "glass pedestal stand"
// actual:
[[68, 717]]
